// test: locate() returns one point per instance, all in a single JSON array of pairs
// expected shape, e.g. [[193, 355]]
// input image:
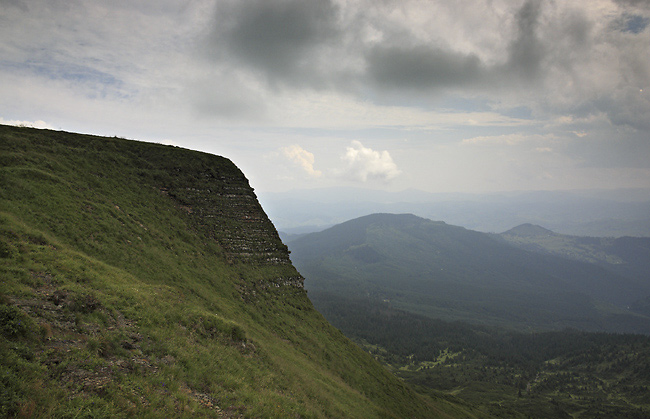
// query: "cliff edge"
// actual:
[[143, 280]]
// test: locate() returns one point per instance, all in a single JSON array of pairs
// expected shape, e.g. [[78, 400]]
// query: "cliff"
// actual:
[[142, 280]]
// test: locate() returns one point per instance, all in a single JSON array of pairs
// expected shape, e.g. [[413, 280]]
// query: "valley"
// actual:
[[528, 323]]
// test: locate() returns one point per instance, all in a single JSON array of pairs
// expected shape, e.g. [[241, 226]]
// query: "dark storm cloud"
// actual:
[[366, 48], [284, 40], [296, 43], [565, 59], [418, 67], [527, 51], [422, 67]]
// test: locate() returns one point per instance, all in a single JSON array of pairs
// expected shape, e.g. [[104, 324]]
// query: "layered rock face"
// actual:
[[226, 206], [221, 202]]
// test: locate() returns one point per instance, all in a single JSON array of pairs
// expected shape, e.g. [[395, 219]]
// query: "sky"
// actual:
[[440, 96]]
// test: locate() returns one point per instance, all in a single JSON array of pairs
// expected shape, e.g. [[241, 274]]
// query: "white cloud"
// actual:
[[32, 124], [510, 139], [365, 163], [303, 158], [580, 133]]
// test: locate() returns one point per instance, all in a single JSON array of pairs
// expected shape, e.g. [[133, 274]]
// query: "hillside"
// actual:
[[448, 272], [529, 231], [142, 280], [625, 256]]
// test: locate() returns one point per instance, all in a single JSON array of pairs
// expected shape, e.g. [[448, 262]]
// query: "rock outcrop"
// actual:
[[225, 206]]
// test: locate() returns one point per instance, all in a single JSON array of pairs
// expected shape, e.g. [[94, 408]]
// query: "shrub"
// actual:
[[7, 251], [13, 321], [10, 393]]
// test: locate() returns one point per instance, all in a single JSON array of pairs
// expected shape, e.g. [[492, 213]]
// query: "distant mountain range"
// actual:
[[448, 272], [599, 213]]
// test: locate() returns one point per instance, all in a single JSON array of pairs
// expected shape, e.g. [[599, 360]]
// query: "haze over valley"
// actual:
[[597, 213]]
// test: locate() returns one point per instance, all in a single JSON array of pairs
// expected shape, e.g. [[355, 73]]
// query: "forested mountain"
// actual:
[[559, 374], [448, 272], [142, 280], [464, 313], [625, 256]]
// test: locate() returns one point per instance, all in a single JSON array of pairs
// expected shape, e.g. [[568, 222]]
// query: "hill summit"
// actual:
[[142, 280], [529, 230]]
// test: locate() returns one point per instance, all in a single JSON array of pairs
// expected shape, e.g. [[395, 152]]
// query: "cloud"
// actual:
[[432, 72], [365, 163], [15, 3], [511, 140], [553, 57], [32, 124], [640, 4], [527, 51], [421, 66], [226, 95], [303, 158], [508, 140], [286, 42]]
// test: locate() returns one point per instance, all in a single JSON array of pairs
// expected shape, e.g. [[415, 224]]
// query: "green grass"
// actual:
[[124, 294]]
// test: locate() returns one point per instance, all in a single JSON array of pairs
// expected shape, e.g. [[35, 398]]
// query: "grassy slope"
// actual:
[[116, 301]]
